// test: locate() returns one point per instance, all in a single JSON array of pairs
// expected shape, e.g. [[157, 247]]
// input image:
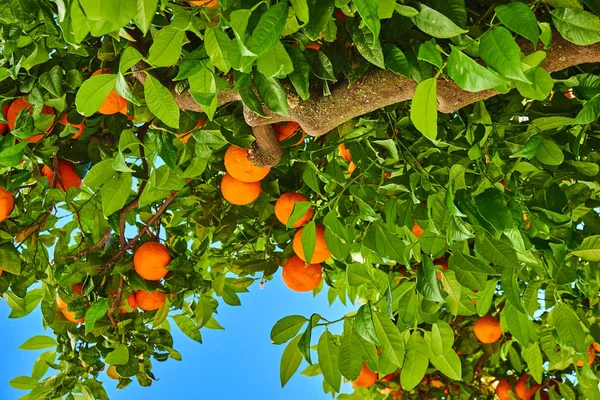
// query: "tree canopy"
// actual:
[[435, 164]]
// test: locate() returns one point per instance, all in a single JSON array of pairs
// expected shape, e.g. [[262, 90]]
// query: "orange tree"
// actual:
[[447, 186]]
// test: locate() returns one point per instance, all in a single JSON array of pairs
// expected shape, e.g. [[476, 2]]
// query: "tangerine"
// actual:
[[487, 329], [68, 175], [70, 316], [238, 192], [79, 127], [241, 168], [521, 389], [320, 254], [113, 103], [20, 104], [366, 378], [7, 204], [301, 277], [150, 260], [288, 130], [132, 303], [285, 205], [150, 301], [503, 389]]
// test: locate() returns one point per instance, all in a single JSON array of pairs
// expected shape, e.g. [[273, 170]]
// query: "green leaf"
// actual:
[[368, 46], [396, 61], [540, 88], [117, 11], [217, 45], [486, 296], [275, 63], [160, 101], [93, 92], [519, 18], [286, 328], [11, 153], [549, 153], [269, 28], [436, 24], [453, 9], [533, 357], [496, 251], [470, 75], [246, 91], [368, 11], [52, 81], [448, 364], [145, 14], [429, 53], [300, 9], [416, 362], [320, 14], [309, 240], [328, 354], [492, 206], [38, 343], [272, 94], [384, 243], [99, 173], [290, 361], [94, 313], [442, 338], [10, 259], [41, 364], [423, 112], [391, 344], [589, 249], [569, 327], [518, 324], [166, 47], [350, 359], [304, 343], [300, 75], [119, 356], [23, 383], [363, 323], [589, 113], [115, 193], [576, 25], [188, 326], [501, 53], [427, 281], [299, 210]]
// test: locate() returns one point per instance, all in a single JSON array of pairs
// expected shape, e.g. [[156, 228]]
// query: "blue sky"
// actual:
[[239, 361]]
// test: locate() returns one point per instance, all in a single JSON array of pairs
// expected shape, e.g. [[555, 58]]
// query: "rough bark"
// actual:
[[266, 151]]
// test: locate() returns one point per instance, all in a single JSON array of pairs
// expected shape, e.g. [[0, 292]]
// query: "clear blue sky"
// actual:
[[239, 362]]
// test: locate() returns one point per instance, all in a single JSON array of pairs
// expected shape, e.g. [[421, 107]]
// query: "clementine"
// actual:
[[7, 204], [241, 168], [285, 205], [525, 391], [70, 316], [288, 130], [320, 254], [366, 378], [3, 126], [20, 104], [132, 303], [487, 329], [113, 103], [68, 175], [150, 301], [79, 127], [301, 277], [503, 389], [150, 260], [238, 192]]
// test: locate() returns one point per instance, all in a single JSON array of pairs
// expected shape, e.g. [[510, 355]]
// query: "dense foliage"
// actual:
[[432, 221]]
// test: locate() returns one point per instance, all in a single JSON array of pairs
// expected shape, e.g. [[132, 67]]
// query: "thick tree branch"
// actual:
[[266, 151]]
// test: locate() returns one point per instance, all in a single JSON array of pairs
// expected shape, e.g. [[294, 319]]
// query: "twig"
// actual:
[[116, 302], [480, 364], [93, 247]]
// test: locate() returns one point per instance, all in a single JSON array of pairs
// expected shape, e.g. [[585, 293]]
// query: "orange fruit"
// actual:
[[503, 389], [591, 356], [113, 103], [417, 230], [70, 315], [366, 378], [487, 329], [344, 152], [150, 301], [76, 288], [68, 175], [4, 127], [150, 260], [0, 271], [241, 168], [288, 130], [321, 252], [596, 346], [7, 204], [389, 377], [397, 395], [285, 205], [80, 127], [521, 389], [205, 3], [238, 192], [314, 46], [301, 277], [132, 303], [16, 107], [185, 136]]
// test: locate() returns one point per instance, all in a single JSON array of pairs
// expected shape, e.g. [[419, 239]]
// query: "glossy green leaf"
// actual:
[[38, 343], [470, 75], [93, 92], [269, 28], [501, 53], [286, 328], [161, 102], [328, 353], [290, 361], [519, 18], [435, 23], [576, 25], [415, 364], [96, 311], [423, 112]]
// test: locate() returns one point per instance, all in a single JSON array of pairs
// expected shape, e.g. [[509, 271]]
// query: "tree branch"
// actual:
[[93, 247], [115, 303], [266, 151]]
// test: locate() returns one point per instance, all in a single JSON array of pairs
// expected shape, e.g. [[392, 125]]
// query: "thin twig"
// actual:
[[116, 303], [93, 247]]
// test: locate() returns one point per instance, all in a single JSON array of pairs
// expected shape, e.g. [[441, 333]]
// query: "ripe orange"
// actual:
[[70, 315], [346, 155], [113, 103], [301, 277], [206, 3], [80, 127], [321, 252], [150, 301], [16, 107], [503, 389], [238, 192], [487, 329], [68, 175], [285, 131], [314, 46], [417, 230], [285, 205], [389, 377], [366, 378], [521, 389], [4, 127], [7, 204], [77, 288], [596, 346], [0, 271], [241, 168], [591, 353], [150, 260], [185, 136], [132, 303]]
